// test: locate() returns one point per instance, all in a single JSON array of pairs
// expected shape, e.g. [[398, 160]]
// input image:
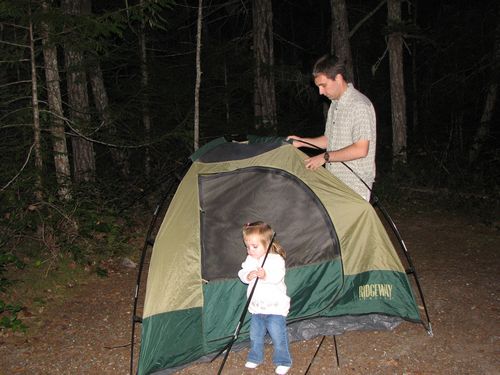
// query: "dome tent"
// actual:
[[343, 272]]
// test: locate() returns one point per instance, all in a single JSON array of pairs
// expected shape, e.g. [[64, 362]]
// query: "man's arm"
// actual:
[[355, 151], [320, 142]]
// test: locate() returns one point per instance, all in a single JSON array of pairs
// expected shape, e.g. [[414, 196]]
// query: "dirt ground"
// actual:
[[457, 260]]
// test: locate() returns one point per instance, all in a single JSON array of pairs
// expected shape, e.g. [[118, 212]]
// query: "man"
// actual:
[[350, 130]]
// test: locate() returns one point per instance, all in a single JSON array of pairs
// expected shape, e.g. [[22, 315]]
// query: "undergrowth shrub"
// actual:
[[8, 312], [51, 235]]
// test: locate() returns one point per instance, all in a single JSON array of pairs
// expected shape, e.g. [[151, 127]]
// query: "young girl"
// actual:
[[269, 304]]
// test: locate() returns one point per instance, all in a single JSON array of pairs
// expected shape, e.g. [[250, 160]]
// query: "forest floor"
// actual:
[[83, 325]]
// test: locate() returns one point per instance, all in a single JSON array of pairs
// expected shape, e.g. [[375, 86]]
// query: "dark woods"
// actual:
[[100, 99]]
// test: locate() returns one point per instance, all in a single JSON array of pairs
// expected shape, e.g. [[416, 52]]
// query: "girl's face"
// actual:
[[254, 245]]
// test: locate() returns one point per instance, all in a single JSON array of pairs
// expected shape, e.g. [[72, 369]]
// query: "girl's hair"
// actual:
[[266, 235]]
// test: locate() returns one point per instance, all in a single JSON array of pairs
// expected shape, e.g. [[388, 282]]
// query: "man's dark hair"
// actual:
[[330, 66]]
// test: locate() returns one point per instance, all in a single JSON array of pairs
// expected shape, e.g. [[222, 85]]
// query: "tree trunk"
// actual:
[[414, 75], [340, 45], [196, 130], [398, 99], [264, 91], [119, 156], [146, 115], [59, 145], [36, 117], [78, 100], [226, 93], [489, 107], [484, 126]]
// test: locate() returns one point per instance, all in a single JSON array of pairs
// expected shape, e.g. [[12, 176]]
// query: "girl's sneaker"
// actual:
[[282, 370], [251, 365]]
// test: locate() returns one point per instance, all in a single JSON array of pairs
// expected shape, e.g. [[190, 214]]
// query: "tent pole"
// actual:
[[375, 202], [314, 356], [336, 350], [147, 244], [412, 269], [317, 350], [228, 347]]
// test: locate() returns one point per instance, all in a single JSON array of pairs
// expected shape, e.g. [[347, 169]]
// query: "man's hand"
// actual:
[[296, 140], [318, 142], [315, 162]]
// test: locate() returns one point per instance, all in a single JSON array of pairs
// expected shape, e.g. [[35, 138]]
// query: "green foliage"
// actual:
[[90, 227], [102, 220], [8, 312], [95, 223], [101, 272], [151, 13], [57, 241], [7, 259], [426, 182], [9, 318], [12, 9]]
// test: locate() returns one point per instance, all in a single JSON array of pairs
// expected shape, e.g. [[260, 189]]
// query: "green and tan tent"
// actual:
[[343, 272]]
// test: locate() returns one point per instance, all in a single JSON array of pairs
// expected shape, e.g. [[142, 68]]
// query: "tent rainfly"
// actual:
[[343, 272]]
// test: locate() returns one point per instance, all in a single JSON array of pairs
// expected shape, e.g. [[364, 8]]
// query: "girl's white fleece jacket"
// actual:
[[270, 294]]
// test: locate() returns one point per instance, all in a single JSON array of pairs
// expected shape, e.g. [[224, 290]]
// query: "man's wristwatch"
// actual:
[[326, 155]]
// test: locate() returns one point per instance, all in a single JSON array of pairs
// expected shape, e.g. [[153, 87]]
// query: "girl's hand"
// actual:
[[259, 272], [251, 275]]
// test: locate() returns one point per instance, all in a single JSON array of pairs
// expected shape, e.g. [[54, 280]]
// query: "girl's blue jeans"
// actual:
[[276, 326]]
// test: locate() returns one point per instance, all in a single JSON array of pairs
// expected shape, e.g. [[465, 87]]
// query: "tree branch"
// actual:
[[358, 25], [22, 168]]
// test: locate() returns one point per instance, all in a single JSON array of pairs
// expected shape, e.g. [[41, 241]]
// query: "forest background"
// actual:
[[102, 101]]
